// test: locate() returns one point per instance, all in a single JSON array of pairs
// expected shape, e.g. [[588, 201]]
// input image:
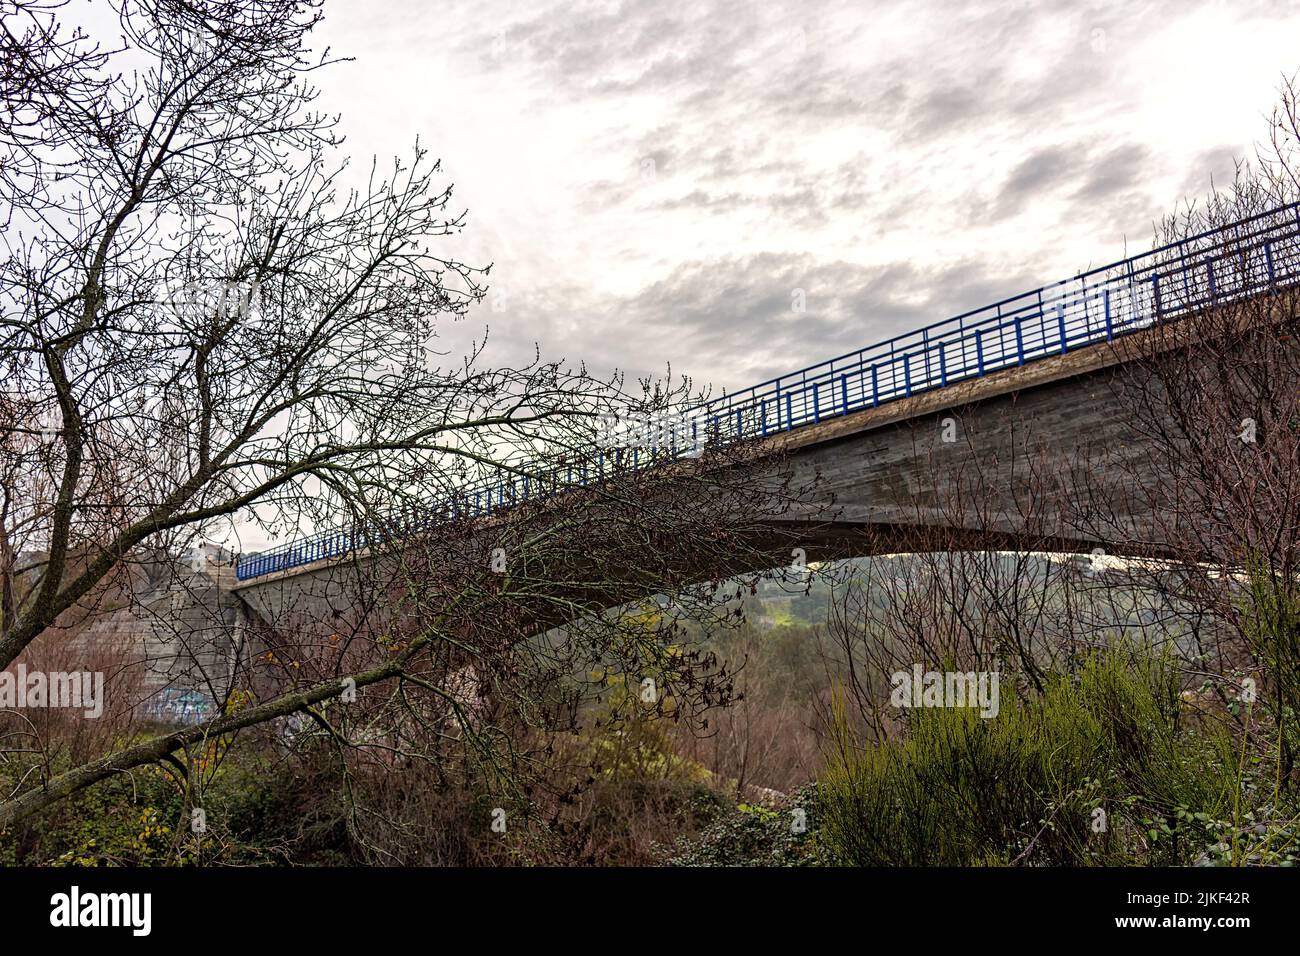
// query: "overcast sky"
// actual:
[[653, 180]]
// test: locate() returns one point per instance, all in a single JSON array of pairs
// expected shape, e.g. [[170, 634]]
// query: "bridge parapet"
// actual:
[[1256, 255]]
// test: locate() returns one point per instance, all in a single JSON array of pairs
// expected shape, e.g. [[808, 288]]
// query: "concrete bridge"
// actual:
[[974, 433]]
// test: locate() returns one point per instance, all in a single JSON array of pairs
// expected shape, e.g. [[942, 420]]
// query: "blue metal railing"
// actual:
[[1258, 254]]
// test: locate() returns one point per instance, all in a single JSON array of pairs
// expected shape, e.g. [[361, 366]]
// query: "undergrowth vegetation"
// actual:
[[1113, 765]]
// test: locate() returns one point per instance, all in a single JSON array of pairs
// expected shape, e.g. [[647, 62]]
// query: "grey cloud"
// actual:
[[804, 205], [1215, 166], [733, 83], [1043, 168], [736, 314], [1118, 171], [731, 319], [1091, 178], [949, 108]]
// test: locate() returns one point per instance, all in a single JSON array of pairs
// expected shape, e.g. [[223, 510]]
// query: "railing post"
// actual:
[[740, 428], [1268, 261], [907, 375], [844, 393], [1209, 271], [789, 412], [1155, 294], [762, 415], [943, 366], [817, 405], [875, 387], [979, 352], [1060, 324], [1020, 343], [1105, 307]]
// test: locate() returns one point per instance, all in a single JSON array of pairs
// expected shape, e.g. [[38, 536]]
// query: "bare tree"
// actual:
[[1214, 409], [210, 321]]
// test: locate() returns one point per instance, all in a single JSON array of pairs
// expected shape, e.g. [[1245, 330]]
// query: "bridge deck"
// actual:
[[1036, 328]]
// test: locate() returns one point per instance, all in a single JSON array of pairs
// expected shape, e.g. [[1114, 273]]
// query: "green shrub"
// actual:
[[1099, 768], [788, 835]]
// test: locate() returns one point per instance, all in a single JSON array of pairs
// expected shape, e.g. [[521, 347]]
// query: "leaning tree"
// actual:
[[212, 323]]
